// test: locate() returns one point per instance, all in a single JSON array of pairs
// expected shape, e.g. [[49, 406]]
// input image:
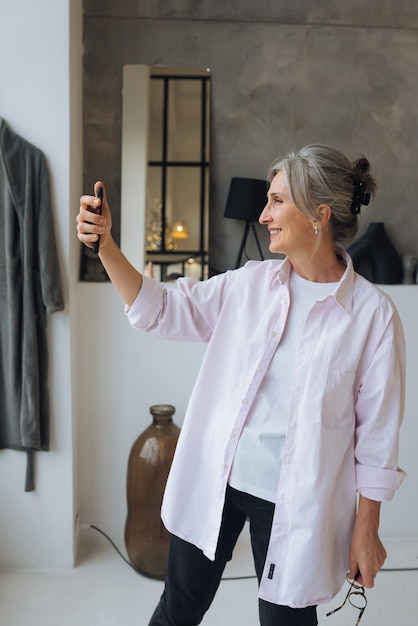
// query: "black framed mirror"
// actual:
[[165, 169]]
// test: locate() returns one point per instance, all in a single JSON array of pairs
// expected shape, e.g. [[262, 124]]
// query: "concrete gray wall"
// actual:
[[284, 74]]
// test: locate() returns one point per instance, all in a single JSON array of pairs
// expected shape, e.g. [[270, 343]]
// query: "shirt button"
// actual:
[[282, 301], [245, 401], [273, 333]]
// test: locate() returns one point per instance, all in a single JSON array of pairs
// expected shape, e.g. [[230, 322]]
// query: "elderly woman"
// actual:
[[297, 406]]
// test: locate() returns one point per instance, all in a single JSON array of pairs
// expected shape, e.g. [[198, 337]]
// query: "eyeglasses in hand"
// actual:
[[356, 597]]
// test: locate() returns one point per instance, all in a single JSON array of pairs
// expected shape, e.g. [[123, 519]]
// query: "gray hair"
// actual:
[[319, 174]]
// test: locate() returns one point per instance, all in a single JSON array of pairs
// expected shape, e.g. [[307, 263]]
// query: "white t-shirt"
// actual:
[[257, 459]]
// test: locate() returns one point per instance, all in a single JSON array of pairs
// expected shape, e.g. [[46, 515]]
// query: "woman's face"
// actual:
[[291, 232]]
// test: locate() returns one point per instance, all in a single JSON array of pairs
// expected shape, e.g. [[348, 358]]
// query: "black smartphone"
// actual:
[[99, 212]]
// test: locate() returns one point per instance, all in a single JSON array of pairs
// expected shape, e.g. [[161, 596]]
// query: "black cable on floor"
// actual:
[[384, 569], [114, 546], [399, 569], [112, 543]]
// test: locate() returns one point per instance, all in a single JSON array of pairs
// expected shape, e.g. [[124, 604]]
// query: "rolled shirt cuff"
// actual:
[[378, 483], [147, 305]]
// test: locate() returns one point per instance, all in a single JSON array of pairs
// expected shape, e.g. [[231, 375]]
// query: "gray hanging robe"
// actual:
[[30, 288]]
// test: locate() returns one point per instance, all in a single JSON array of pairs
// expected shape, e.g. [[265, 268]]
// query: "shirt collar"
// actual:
[[342, 294]]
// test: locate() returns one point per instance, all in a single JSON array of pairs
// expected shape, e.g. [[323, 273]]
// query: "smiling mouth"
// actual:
[[275, 231]]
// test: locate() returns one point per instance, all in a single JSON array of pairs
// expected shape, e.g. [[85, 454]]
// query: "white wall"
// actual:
[[399, 517], [123, 373], [40, 99]]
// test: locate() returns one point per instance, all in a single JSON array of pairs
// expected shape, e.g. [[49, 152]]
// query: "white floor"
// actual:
[[104, 591]]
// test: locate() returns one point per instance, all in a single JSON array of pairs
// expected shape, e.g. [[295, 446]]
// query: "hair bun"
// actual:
[[361, 169]]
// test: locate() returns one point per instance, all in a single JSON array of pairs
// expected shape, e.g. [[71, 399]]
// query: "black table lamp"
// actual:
[[247, 198]]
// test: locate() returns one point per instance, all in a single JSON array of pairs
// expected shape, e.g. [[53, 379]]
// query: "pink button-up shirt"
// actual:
[[347, 401]]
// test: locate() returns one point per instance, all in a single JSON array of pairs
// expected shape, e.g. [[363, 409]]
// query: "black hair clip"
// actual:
[[359, 197]]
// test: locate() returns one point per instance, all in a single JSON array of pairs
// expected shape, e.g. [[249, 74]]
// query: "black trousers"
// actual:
[[193, 579]]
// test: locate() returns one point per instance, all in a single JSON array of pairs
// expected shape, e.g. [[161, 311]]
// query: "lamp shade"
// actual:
[[247, 198], [179, 231]]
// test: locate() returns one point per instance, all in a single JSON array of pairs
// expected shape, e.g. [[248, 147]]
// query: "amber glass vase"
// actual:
[[146, 539]]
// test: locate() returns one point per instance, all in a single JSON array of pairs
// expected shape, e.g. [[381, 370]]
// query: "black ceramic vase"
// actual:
[[146, 539], [375, 257]]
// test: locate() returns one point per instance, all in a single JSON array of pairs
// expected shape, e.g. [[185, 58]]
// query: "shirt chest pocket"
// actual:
[[338, 399]]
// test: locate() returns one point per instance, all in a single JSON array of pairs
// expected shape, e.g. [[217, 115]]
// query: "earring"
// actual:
[[316, 229]]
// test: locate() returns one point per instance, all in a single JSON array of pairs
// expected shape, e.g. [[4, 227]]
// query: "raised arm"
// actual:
[[90, 225]]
